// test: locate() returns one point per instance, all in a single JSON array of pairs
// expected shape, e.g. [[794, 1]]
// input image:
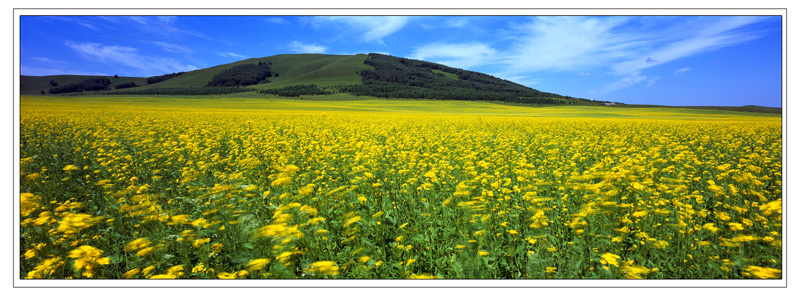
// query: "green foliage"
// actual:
[[90, 84], [408, 78], [296, 90], [191, 91], [247, 74], [125, 85], [157, 79]]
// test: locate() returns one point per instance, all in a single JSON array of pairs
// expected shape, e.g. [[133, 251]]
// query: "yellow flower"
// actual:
[[282, 181], [351, 221], [710, 227], [45, 269], [130, 273], [87, 259], [28, 202], [735, 226], [233, 275], [257, 264], [324, 268], [422, 276], [200, 242], [70, 168], [762, 272], [609, 259], [137, 244], [483, 253]]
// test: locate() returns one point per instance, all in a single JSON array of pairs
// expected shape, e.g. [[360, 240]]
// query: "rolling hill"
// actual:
[[360, 75], [332, 77]]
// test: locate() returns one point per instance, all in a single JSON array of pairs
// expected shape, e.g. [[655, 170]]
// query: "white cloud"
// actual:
[[371, 28], [231, 55], [451, 22], [712, 35], [36, 71], [626, 46], [681, 70], [277, 20], [523, 80], [627, 81], [568, 43], [653, 81], [176, 48], [49, 61], [459, 55], [128, 57], [300, 47]]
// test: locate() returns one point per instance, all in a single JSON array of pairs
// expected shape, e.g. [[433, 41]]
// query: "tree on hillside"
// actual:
[[241, 75], [53, 83]]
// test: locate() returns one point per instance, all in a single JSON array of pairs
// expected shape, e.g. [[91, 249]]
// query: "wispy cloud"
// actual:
[[523, 80], [47, 60], [568, 44], [300, 47], [464, 55], [652, 81], [231, 55], [163, 26], [623, 45], [459, 22], [277, 20], [38, 71], [627, 81], [710, 35], [371, 28], [176, 48], [128, 57], [681, 70]]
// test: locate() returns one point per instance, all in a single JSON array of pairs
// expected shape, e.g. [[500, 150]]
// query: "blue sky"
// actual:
[[667, 60]]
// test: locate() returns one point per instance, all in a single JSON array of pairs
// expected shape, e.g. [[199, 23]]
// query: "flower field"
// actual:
[[129, 189]]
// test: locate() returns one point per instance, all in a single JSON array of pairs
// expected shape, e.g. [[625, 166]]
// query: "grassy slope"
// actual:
[[33, 85], [318, 69]]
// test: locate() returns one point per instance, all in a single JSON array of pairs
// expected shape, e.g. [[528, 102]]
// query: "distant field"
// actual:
[[223, 188]]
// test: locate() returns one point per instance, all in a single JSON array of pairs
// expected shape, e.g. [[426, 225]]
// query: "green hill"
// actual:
[[318, 75], [35, 85]]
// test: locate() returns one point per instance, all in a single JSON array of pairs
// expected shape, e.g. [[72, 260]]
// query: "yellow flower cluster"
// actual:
[[280, 189]]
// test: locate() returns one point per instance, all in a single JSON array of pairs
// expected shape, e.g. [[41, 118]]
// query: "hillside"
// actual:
[[35, 85], [323, 76]]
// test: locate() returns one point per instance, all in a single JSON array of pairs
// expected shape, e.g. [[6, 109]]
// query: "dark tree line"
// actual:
[[408, 78], [125, 85], [189, 91], [157, 79], [90, 84], [296, 90], [241, 75]]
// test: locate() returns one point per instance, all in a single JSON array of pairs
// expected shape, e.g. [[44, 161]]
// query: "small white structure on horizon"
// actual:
[[609, 103]]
